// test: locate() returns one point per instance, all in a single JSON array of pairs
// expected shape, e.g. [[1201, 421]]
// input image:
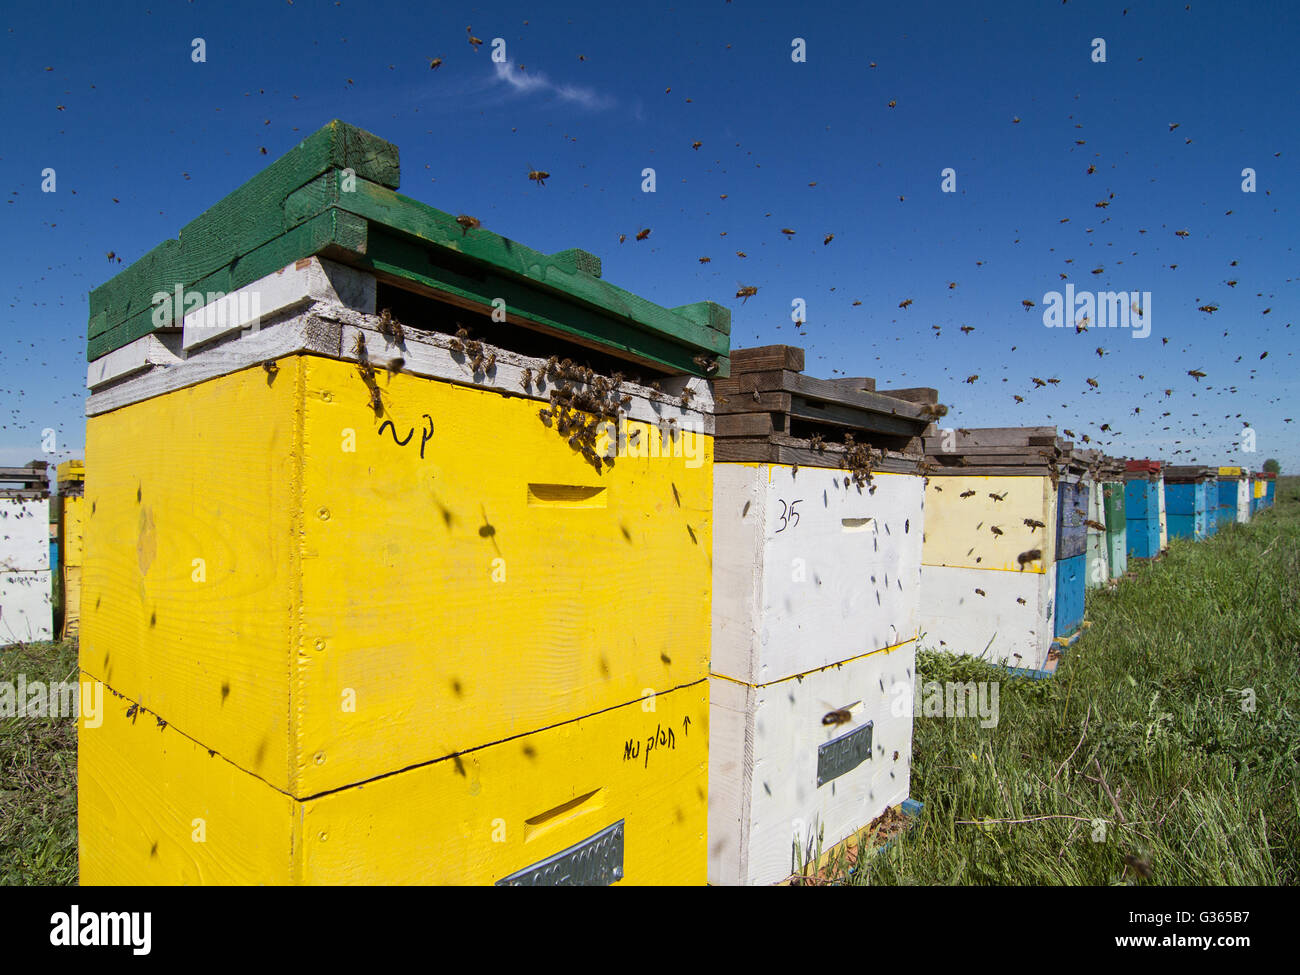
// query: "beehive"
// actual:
[[986, 593], [1234, 494], [1270, 488], [816, 581], [1142, 508], [1074, 498], [26, 608], [1188, 489], [445, 604], [1257, 490], [1111, 473], [71, 479], [1098, 555]]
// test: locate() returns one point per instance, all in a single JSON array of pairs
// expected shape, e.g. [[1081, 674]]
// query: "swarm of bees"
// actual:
[[582, 402], [858, 459]]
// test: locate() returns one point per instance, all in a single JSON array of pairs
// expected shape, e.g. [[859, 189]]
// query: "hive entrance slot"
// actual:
[[423, 312], [566, 496]]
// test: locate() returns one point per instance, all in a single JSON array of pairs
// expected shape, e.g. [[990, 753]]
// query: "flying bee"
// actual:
[[998, 497], [435, 64], [995, 529], [839, 716], [395, 364], [467, 223], [1095, 525], [1021, 600], [540, 176], [709, 363], [746, 292], [981, 592], [967, 494], [705, 260], [643, 234], [905, 303], [1024, 558]]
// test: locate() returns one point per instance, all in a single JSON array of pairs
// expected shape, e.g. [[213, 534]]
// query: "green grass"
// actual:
[[38, 776], [1142, 729]]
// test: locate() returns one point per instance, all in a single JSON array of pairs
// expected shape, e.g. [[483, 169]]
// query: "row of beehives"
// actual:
[[35, 551], [383, 594]]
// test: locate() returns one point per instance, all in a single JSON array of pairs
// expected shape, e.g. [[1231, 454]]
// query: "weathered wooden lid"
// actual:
[[333, 195], [767, 411], [997, 451], [29, 482], [1183, 473]]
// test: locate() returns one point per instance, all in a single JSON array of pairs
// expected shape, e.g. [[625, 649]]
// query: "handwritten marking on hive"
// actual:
[[425, 434]]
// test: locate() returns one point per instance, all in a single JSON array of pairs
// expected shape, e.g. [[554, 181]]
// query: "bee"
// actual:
[[622, 237], [1038, 382], [1054, 382], [111, 255], [1091, 169], [1196, 374], [741, 254], [271, 367], [1181, 233], [643, 234], [395, 365], [1024, 558], [971, 379], [435, 64], [787, 231], [709, 363], [1095, 525], [1027, 303], [1018, 398], [829, 238], [540, 176], [840, 716], [687, 394], [474, 41], [746, 292], [892, 103], [390, 328], [705, 260], [998, 497], [490, 363], [359, 347], [905, 303], [995, 529], [981, 592], [696, 144], [467, 223], [967, 329], [968, 494], [1208, 309]]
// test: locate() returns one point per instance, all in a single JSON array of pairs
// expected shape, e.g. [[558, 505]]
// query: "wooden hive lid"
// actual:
[[334, 195], [767, 411]]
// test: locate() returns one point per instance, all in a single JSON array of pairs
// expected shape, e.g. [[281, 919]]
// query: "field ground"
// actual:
[[1143, 746]]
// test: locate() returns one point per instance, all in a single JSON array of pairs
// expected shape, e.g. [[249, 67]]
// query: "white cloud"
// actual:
[[533, 82]]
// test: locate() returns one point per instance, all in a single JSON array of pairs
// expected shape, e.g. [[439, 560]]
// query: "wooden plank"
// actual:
[[244, 220], [537, 308], [439, 231], [334, 233], [854, 384], [913, 394], [853, 418], [764, 357], [140, 355], [743, 425]]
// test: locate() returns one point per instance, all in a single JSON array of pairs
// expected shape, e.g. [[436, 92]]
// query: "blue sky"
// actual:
[[594, 93]]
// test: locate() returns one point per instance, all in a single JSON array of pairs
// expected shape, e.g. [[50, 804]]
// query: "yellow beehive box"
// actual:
[[156, 807], [327, 574]]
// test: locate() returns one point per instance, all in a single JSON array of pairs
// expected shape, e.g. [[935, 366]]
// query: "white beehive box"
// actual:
[[816, 582]]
